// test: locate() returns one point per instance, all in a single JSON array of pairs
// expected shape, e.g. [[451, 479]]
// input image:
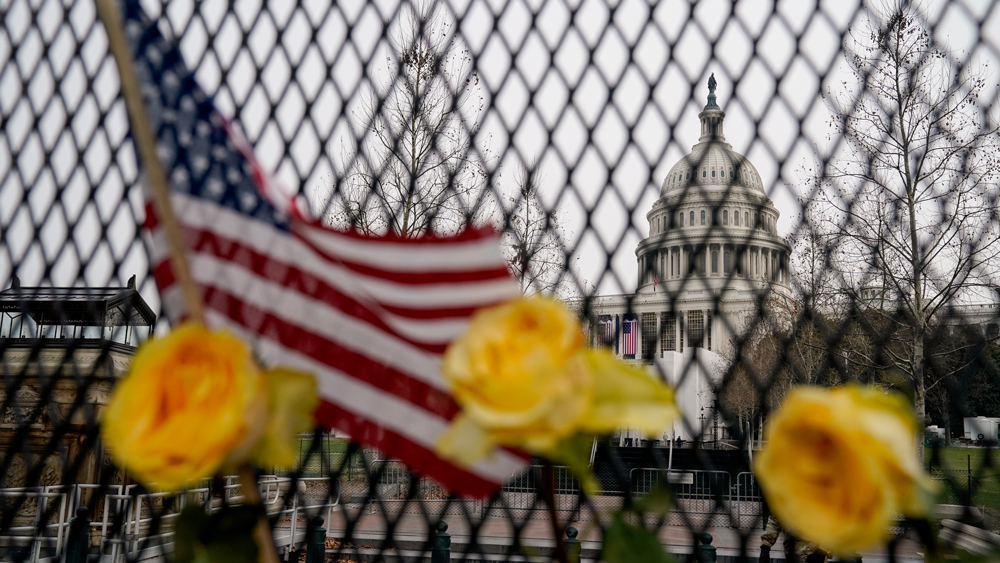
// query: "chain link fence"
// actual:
[[740, 197]]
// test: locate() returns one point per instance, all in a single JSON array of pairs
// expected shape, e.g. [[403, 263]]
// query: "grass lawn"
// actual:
[[955, 463], [331, 448], [333, 445]]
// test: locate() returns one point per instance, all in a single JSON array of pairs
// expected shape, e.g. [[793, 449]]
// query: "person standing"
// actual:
[[796, 550]]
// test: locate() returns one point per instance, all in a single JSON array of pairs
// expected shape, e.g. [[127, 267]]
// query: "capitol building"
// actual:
[[711, 255]]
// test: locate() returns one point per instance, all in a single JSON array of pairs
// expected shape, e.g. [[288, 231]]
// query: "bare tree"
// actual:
[[532, 240], [415, 167], [814, 259], [914, 190]]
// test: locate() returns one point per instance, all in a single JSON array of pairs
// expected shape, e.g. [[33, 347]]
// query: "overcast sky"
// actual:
[[778, 124]]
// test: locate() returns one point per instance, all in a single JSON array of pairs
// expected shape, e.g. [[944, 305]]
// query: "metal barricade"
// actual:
[[700, 497]]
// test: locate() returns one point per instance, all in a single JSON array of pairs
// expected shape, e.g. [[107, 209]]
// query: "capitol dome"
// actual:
[[712, 162], [713, 223]]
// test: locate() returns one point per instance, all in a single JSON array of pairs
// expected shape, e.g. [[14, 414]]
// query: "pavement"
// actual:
[[495, 534]]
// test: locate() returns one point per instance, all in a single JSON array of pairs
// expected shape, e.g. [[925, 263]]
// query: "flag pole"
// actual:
[[193, 306], [146, 143]]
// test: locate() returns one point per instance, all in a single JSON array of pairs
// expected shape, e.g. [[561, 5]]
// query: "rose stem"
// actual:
[[549, 488], [266, 552]]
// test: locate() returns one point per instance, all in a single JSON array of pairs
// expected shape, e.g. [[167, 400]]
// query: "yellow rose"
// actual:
[[190, 401], [517, 372], [195, 402], [840, 464], [523, 378]]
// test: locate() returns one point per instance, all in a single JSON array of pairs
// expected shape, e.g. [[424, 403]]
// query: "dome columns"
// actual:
[[711, 126], [714, 259]]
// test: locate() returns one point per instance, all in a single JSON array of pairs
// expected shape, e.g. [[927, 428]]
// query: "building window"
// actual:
[[691, 217], [708, 329], [704, 174], [702, 216], [713, 173], [725, 216], [727, 260], [682, 218], [715, 262], [668, 333], [722, 173], [701, 262], [695, 329], [648, 336], [736, 218]]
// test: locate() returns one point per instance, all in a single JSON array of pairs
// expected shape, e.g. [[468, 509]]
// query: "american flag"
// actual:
[[369, 317], [656, 280], [629, 333], [606, 333]]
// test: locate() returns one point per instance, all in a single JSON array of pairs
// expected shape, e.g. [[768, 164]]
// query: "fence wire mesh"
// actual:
[[856, 240]]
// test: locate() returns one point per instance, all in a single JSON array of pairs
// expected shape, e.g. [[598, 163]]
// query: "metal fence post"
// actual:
[[441, 551], [78, 541], [968, 479], [573, 545], [316, 541], [706, 551]]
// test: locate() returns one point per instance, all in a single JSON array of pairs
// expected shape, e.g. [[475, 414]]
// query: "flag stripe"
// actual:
[[408, 275], [332, 355], [430, 331], [330, 323], [423, 459], [359, 399], [212, 244], [462, 255]]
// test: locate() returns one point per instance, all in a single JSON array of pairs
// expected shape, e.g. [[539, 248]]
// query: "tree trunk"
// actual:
[[919, 393]]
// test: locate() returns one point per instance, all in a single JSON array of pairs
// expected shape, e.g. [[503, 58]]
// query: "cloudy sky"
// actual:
[[70, 172]]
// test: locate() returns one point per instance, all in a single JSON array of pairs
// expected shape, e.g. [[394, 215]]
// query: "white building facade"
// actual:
[[711, 257]]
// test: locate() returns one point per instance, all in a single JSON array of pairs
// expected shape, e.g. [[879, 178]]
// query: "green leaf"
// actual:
[[291, 400], [187, 529], [574, 453], [631, 543], [225, 536], [658, 501]]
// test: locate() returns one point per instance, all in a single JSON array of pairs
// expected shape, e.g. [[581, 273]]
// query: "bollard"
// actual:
[[573, 545], [441, 552], [316, 541], [78, 540], [706, 551]]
